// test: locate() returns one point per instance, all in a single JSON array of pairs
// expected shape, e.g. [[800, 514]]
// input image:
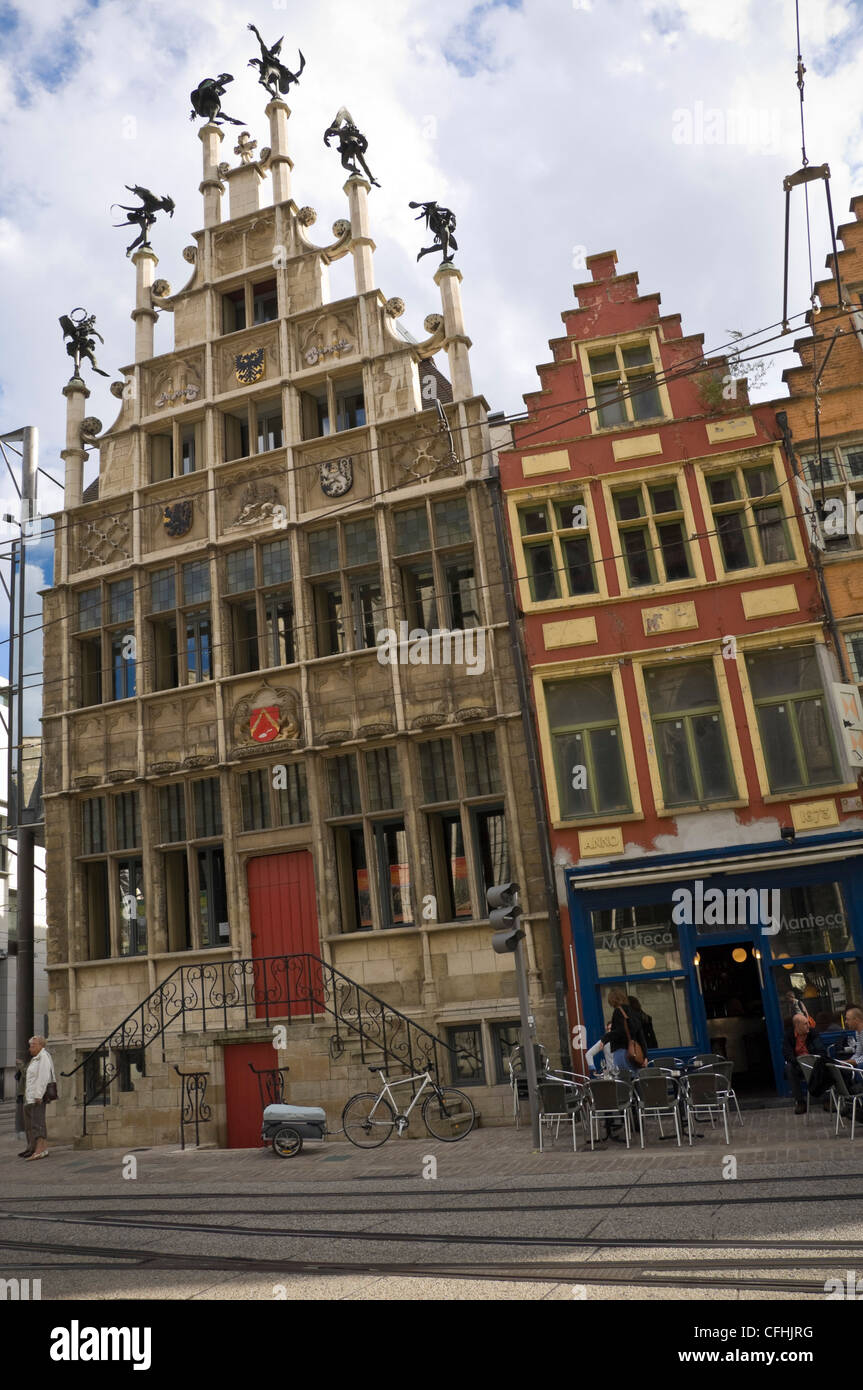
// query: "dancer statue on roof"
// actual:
[[82, 333], [272, 73], [206, 100], [144, 216], [352, 145], [441, 223]]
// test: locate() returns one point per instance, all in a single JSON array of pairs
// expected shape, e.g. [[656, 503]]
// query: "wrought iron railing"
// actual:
[[224, 995]]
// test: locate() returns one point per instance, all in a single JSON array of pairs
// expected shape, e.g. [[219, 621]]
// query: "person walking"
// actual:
[[646, 1023], [625, 1028], [40, 1074]]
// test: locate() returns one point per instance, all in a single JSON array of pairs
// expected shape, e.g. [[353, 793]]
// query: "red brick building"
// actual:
[[683, 686]]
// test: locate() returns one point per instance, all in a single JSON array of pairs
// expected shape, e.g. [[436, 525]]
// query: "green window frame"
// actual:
[[585, 731], [689, 734], [795, 733], [558, 554], [749, 518], [651, 526], [623, 377]]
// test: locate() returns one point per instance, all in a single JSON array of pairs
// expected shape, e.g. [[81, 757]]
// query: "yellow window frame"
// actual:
[[572, 670], [810, 636], [616, 344], [712, 653], [648, 475], [553, 494], [737, 463]]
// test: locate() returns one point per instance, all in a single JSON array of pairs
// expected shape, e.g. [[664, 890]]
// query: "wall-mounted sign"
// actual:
[[849, 713]]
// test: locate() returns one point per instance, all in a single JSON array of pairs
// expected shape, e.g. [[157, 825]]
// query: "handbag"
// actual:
[[50, 1092], [634, 1051]]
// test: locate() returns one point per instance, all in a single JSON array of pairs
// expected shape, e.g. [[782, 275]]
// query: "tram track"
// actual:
[[640, 1273]]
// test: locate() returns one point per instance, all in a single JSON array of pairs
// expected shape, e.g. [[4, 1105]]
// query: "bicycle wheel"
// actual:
[[367, 1130], [287, 1142], [448, 1114]]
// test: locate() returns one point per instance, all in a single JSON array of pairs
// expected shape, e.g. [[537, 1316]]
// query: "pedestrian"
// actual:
[[799, 1040], [624, 1030], [646, 1023], [40, 1074]]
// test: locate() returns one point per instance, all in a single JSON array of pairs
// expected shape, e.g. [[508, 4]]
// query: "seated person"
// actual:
[[854, 1020], [798, 1040]]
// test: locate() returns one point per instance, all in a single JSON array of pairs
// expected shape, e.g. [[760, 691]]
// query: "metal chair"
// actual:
[[842, 1074], [704, 1094], [723, 1067], [657, 1095], [609, 1100], [557, 1102], [518, 1075], [806, 1062]]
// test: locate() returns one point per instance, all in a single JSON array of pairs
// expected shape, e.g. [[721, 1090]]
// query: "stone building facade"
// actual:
[[237, 766]]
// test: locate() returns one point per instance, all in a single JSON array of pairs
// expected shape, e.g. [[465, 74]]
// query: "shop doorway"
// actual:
[[734, 1005]]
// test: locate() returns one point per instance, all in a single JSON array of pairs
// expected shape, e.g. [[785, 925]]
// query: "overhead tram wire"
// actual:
[[63, 520], [690, 367], [60, 520]]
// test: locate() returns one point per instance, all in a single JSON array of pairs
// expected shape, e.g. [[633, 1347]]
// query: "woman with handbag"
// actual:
[[40, 1087], [625, 1034]]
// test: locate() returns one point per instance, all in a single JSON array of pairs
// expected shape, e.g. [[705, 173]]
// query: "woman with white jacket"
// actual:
[[39, 1073]]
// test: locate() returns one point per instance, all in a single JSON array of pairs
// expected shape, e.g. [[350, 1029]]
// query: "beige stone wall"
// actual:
[[440, 975]]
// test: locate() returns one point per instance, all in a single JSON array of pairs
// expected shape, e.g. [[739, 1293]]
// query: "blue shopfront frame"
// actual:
[[668, 872]]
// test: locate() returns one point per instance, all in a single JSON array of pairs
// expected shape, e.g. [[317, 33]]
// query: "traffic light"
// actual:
[[503, 916]]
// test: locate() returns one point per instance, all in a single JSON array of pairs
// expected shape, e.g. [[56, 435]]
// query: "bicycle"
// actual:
[[368, 1120]]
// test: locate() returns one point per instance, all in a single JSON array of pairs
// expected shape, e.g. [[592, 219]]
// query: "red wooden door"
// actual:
[[242, 1093], [284, 922]]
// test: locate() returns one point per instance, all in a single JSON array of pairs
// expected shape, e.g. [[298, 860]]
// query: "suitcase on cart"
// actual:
[[286, 1126]]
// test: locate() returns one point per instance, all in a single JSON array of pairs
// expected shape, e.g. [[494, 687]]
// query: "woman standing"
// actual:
[[646, 1024], [625, 1029], [40, 1073]]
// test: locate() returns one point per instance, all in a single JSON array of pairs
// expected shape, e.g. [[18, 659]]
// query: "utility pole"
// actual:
[[21, 820], [534, 765]]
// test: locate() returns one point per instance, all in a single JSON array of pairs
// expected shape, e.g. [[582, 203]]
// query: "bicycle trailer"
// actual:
[[286, 1126]]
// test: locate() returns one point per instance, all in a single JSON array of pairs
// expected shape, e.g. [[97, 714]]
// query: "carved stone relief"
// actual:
[[326, 338], [178, 382], [268, 716], [417, 451], [103, 540]]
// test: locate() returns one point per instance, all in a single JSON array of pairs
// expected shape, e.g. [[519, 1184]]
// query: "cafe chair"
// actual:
[[656, 1095], [843, 1077], [806, 1062], [518, 1075], [558, 1102], [705, 1095], [609, 1100]]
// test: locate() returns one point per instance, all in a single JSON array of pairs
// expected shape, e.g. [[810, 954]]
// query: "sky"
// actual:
[[554, 129]]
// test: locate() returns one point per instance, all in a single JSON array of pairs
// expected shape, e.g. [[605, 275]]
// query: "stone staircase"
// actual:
[[329, 1056]]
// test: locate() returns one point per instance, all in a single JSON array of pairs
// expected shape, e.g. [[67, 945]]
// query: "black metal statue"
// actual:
[[272, 73], [441, 223], [352, 145], [144, 216], [82, 334], [207, 100]]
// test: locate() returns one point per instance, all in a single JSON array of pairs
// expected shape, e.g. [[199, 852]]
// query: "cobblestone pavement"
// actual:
[[771, 1214]]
